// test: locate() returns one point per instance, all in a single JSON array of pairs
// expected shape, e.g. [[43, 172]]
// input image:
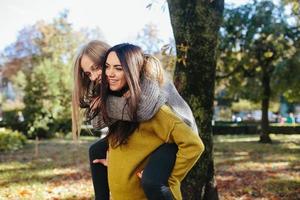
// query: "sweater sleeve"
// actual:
[[97, 122], [190, 147], [171, 129]]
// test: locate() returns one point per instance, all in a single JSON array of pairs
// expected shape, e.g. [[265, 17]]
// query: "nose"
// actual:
[[95, 75], [109, 72], [92, 76]]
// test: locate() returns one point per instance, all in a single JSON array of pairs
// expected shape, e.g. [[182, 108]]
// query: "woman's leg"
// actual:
[[99, 172], [157, 172]]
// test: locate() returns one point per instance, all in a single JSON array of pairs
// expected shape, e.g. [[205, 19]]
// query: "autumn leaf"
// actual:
[[24, 192]]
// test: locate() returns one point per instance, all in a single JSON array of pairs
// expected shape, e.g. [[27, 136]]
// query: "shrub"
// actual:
[[12, 120], [11, 140]]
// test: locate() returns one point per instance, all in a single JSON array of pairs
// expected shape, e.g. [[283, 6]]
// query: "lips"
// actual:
[[112, 81]]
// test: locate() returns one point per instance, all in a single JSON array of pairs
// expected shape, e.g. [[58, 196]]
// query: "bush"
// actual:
[[11, 140], [224, 128], [12, 121]]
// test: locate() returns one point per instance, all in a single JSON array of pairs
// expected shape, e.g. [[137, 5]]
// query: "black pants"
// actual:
[[99, 172], [155, 175]]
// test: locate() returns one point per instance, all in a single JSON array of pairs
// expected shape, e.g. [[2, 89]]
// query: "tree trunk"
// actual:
[[195, 25], [264, 133]]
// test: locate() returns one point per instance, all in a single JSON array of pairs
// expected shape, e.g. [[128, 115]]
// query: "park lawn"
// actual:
[[59, 171], [245, 169]]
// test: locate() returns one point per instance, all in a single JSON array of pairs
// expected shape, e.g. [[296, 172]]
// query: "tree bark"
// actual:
[[264, 133], [195, 25]]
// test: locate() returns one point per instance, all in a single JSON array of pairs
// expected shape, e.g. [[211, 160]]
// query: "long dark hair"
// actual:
[[132, 60]]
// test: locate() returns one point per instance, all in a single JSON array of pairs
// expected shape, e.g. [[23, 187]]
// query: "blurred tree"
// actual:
[[42, 58], [148, 39], [150, 42], [47, 97], [295, 8], [256, 44], [47, 92], [196, 25], [288, 80]]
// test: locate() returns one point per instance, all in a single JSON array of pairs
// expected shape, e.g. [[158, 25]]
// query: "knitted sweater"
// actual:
[[126, 160]]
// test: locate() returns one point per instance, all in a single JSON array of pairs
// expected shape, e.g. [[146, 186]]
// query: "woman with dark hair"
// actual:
[[132, 144], [86, 95], [154, 93]]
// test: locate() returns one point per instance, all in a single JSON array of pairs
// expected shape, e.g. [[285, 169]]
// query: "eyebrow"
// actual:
[[94, 65], [107, 64]]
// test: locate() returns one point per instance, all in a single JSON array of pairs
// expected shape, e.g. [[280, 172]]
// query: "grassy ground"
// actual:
[[59, 171], [244, 168], [248, 170]]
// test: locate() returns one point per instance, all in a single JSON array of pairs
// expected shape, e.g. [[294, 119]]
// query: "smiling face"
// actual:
[[90, 69], [114, 72]]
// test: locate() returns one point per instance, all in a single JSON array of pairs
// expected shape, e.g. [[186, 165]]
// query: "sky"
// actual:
[[119, 20]]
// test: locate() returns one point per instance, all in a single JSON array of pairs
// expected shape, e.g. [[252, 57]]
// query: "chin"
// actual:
[[114, 88]]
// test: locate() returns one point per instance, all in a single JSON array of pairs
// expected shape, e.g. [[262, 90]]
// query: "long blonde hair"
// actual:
[[153, 69], [96, 51]]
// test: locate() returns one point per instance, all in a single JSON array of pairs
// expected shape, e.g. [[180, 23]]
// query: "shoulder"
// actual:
[[165, 113], [161, 124]]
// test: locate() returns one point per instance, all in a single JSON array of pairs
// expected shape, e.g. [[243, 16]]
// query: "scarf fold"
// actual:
[[152, 98]]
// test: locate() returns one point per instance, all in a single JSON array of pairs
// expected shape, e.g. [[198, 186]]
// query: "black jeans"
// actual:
[[99, 172], [155, 175]]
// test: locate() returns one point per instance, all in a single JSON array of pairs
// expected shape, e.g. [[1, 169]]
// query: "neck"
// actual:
[[119, 93]]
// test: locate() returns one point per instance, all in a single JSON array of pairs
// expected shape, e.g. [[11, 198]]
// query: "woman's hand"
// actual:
[[102, 161], [140, 174]]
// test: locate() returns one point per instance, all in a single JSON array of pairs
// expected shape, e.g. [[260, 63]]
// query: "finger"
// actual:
[[101, 161], [140, 174]]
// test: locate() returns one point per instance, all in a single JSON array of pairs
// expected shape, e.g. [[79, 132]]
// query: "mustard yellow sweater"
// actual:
[[126, 160]]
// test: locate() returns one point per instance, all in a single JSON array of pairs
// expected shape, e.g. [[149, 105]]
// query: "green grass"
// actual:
[[58, 170], [245, 169]]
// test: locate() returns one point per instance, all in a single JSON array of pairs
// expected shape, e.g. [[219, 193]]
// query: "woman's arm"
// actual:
[[170, 128], [190, 147]]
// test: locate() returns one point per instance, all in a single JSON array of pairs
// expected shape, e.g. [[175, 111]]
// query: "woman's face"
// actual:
[[114, 72], [90, 68]]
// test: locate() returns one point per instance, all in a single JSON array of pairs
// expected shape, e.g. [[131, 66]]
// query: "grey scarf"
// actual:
[[152, 98]]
